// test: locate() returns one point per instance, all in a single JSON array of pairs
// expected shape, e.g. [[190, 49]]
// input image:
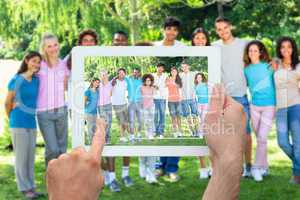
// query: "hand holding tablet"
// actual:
[[77, 175]]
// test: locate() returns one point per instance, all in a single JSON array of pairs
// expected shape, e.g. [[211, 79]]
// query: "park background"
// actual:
[[22, 23]]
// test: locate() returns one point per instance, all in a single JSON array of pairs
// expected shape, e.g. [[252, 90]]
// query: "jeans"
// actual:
[[288, 134], [174, 108], [244, 101], [189, 107], [54, 128], [105, 112], [135, 109], [169, 164], [159, 118]]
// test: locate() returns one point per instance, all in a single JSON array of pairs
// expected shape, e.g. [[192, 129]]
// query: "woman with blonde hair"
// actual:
[[52, 112]]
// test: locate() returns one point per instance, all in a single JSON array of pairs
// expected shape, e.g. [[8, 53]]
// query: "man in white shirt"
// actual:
[[119, 101], [233, 75], [160, 99], [168, 165]]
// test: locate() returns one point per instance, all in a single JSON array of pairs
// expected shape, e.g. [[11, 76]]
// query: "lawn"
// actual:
[[274, 187]]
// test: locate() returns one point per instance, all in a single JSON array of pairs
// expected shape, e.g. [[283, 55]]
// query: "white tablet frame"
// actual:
[[77, 98]]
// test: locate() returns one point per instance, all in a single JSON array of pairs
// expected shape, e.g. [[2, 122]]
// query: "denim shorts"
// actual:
[[121, 112], [245, 103], [174, 108], [189, 107]]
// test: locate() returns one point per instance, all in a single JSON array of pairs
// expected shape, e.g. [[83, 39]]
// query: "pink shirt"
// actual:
[[51, 89], [105, 94], [147, 94]]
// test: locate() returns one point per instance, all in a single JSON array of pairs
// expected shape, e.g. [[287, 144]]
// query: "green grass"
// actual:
[[184, 141], [274, 187], [169, 139]]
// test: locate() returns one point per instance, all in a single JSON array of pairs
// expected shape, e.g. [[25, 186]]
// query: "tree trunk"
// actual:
[[220, 9], [134, 24]]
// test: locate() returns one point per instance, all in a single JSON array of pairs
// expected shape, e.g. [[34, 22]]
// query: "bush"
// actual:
[[6, 53]]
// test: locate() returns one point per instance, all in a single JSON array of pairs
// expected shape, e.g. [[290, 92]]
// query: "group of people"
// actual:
[[185, 93], [38, 91]]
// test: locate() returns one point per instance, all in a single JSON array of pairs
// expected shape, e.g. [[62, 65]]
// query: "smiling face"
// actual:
[[174, 72], [223, 30], [199, 78], [148, 82], [96, 83], [254, 53], [160, 69], [120, 40], [185, 68], [136, 73], [121, 74], [170, 33], [286, 49], [200, 39], [51, 47], [103, 76], [33, 64], [88, 40]]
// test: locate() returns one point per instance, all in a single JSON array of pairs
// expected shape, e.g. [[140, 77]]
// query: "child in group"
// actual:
[[91, 96], [259, 77], [174, 84], [147, 164], [201, 90]]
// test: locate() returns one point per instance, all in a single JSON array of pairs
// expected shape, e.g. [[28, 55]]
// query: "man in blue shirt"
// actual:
[[134, 84]]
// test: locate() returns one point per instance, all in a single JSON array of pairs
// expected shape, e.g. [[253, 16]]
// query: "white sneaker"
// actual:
[[256, 173], [247, 172], [203, 173], [131, 137], [161, 137], [150, 178], [150, 137], [139, 138], [264, 172], [175, 134], [210, 172], [179, 134], [123, 139]]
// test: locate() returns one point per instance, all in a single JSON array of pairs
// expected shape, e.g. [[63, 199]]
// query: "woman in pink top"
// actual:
[[147, 164], [52, 112], [174, 84], [104, 103]]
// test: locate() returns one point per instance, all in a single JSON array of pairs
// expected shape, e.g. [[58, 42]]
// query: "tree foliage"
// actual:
[[24, 21]]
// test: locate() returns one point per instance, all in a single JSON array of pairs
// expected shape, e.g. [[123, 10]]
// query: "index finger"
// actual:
[[98, 140], [217, 99]]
